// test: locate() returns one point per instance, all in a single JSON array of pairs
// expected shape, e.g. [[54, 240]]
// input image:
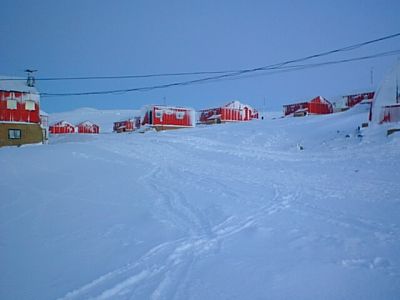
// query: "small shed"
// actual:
[[317, 106], [233, 111], [88, 127], [62, 127], [386, 104], [162, 117]]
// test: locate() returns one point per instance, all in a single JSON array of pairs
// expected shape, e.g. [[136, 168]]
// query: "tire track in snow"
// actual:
[[164, 271]]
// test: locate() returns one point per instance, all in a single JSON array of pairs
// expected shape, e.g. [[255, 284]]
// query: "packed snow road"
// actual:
[[234, 211]]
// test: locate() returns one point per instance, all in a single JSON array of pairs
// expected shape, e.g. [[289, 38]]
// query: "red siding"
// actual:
[[20, 114], [318, 105], [292, 108], [168, 116], [88, 128], [228, 114], [122, 126], [61, 128], [352, 100]]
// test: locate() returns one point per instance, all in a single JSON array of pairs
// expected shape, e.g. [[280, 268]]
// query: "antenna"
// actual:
[[30, 81]]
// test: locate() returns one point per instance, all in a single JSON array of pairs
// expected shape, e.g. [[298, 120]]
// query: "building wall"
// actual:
[[180, 117], [30, 134], [20, 113], [88, 129], [291, 108], [61, 129]]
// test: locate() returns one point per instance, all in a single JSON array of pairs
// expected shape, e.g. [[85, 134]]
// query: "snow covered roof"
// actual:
[[236, 104], [16, 84], [86, 123], [162, 106], [62, 123], [130, 119]]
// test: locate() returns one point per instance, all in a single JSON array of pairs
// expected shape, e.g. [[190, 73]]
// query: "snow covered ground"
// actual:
[[231, 211]]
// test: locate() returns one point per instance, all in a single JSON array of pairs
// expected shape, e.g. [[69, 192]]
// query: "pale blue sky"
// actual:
[[123, 37]]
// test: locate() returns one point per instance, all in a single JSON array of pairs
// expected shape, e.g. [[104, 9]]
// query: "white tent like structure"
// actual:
[[386, 103]]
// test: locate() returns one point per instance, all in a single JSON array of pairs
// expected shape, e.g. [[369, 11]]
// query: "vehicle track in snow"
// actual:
[[164, 271]]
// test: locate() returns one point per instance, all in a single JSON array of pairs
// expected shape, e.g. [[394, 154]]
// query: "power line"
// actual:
[[223, 72], [275, 69], [314, 65], [126, 76]]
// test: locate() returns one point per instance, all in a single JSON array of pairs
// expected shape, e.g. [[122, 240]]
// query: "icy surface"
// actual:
[[232, 211]]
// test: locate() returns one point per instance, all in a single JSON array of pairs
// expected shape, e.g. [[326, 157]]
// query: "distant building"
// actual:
[[351, 100], [231, 112], [62, 127], [161, 117], [316, 106], [88, 127], [125, 125], [20, 121]]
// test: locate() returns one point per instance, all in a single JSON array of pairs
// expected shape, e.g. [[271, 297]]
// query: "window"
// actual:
[[159, 114], [30, 105], [14, 134], [11, 104], [180, 115]]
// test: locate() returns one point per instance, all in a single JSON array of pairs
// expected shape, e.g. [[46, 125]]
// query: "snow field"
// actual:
[[234, 211]]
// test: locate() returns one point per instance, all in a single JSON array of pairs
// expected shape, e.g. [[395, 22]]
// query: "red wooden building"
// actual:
[[163, 117], [19, 113], [351, 100], [62, 127], [88, 127], [231, 112], [316, 106], [124, 125]]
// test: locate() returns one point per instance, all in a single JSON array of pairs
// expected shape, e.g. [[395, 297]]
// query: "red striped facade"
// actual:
[[317, 106], [167, 117]]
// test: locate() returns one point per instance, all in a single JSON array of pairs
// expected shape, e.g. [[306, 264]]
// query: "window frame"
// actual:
[[14, 103], [180, 115], [29, 102], [12, 134]]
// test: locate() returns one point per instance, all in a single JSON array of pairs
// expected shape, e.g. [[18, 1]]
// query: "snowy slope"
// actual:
[[231, 211]]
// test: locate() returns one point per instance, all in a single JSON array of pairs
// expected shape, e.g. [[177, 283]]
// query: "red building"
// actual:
[[231, 112], [124, 125], [163, 117], [88, 127], [351, 100], [316, 106], [62, 127], [19, 113]]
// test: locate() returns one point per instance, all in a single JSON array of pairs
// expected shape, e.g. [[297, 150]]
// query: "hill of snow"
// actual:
[[230, 211]]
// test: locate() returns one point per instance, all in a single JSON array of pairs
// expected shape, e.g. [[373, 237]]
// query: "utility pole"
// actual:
[[30, 81], [372, 76]]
